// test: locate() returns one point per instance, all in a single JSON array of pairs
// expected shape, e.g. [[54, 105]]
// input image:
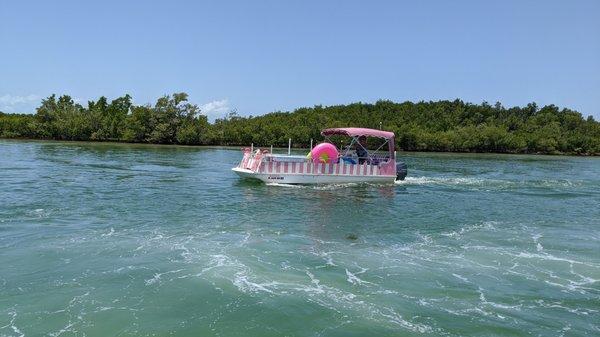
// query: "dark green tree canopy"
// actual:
[[422, 126]]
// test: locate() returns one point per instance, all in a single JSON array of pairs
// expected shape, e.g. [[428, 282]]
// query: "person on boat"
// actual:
[[361, 149]]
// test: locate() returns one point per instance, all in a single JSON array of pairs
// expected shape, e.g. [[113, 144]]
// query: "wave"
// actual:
[[285, 185], [467, 182], [321, 187]]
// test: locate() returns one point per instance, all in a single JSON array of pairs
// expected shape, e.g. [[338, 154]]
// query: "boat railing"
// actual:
[[252, 158], [255, 157], [262, 160], [267, 155]]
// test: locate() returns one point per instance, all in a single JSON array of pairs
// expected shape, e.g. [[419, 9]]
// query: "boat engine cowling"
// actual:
[[401, 170]]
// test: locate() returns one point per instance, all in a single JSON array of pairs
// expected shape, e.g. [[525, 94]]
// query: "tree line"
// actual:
[[423, 126]]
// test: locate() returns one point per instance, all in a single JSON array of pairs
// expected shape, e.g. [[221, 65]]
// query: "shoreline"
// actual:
[[232, 147]]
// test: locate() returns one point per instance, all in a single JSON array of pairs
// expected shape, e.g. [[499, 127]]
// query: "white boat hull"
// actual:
[[298, 178]]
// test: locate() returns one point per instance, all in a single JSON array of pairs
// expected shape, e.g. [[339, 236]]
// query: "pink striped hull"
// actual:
[[315, 173]]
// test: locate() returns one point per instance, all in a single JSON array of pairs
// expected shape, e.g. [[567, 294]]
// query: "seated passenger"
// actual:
[[361, 149]]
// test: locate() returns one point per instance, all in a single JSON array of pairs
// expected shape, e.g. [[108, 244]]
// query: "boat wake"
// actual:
[[285, 185], [449, 181], [491, 183]]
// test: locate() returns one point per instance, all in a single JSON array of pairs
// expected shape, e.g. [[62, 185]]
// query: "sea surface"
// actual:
[[135, 240]]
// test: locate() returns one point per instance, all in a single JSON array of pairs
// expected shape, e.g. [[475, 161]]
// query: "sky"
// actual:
[[257, 56]]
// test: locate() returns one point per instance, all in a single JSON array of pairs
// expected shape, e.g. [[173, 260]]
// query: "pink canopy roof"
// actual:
[[357, 132]]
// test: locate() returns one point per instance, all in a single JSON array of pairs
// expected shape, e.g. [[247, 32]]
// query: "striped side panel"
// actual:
[[255, 164]]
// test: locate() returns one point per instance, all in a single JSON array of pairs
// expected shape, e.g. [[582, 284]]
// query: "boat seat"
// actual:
[[348, 160]]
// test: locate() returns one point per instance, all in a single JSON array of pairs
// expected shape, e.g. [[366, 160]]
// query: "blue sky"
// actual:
[[261, 56]]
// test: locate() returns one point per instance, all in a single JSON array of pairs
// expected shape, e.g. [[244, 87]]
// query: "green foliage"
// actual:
[[108, 120], [427, 126], [423, 126]]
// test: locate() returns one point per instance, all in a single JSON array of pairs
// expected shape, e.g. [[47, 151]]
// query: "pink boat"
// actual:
[[326, 164]]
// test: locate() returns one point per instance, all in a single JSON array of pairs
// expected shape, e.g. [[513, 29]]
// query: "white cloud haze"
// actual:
[[215, 109], [15, 103]]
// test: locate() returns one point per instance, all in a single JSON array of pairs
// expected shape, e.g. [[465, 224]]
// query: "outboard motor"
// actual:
[[401, 171]]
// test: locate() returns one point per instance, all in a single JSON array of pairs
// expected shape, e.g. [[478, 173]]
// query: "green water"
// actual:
[[125, 240]]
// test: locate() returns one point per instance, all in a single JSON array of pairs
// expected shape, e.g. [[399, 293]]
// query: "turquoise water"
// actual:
[[125, 240]]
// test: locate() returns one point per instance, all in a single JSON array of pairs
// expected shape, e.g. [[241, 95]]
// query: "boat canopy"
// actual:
[[357, 132]]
